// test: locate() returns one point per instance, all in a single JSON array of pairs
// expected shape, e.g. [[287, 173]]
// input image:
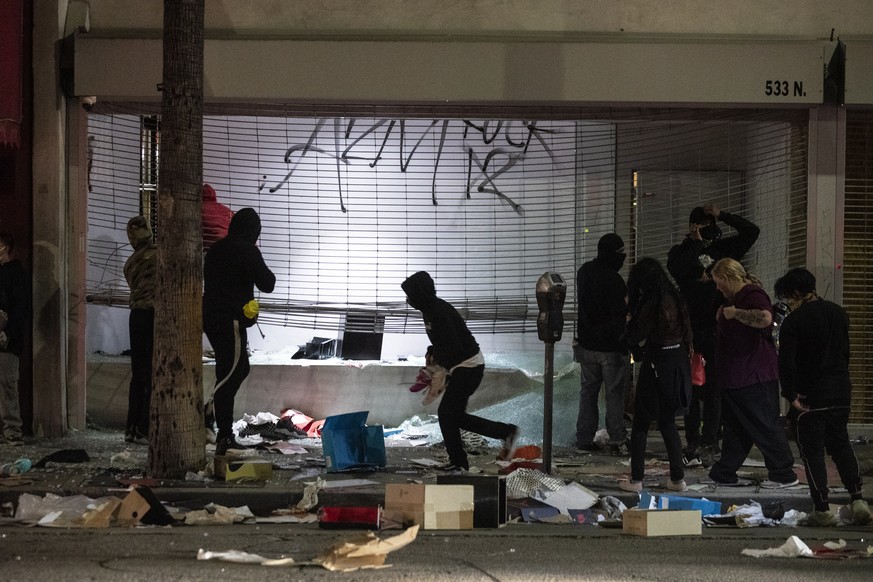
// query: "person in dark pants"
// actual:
[[15, 292], [139, 271], [602, 351], [689, 263], [814, 374], [456, 350], [660, 338], [748, 378], [233, 266]]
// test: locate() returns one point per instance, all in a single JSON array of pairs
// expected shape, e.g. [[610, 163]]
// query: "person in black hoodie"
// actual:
[[233, 266], [814, 375], [602, 349], [455, 349], [690, 263], [14, 316]]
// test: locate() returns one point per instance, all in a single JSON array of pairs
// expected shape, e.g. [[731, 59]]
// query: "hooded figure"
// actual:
[[232, 268], [216, 217], [455, 349], [690, 263], [602, 352], [140, 270]]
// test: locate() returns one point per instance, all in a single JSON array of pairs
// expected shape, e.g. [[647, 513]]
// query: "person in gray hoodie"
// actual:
[[232, 268], [455, 349]]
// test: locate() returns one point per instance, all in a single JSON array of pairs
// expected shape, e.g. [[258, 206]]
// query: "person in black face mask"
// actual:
[[600, 347], [689, 263]]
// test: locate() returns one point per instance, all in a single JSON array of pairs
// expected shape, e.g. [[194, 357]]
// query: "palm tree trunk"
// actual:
[[176, 441]]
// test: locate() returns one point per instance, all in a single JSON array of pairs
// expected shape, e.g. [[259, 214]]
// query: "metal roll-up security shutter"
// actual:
[[487, 198], [857, 265]]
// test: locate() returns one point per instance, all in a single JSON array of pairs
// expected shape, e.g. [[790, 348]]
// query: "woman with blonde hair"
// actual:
[[748, 378]]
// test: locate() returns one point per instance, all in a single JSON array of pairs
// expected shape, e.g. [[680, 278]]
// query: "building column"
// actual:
[[826, 202], [49, 224]]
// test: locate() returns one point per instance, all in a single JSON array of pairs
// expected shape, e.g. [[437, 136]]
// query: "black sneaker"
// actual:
[[451, 468], [588, 448], [229, 446], [620, 449]]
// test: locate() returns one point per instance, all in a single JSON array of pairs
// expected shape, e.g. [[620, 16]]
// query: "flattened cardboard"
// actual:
[[662, 522]]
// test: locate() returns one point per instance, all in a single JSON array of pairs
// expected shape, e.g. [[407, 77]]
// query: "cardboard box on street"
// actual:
[[489, 497], [661, 522], [430, 506], [706, 507]]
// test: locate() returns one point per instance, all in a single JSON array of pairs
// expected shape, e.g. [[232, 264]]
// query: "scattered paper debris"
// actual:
[[792, 548]]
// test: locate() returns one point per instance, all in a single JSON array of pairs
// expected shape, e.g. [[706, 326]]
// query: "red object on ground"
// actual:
[[350, 517], [529, 453]]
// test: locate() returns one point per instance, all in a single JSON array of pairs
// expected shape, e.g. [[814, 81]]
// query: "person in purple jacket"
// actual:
[[748, 378]]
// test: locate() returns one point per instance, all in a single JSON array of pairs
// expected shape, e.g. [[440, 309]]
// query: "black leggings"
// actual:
[[229, 340]]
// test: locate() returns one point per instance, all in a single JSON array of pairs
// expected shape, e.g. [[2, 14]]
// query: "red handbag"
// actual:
[[698, 369]]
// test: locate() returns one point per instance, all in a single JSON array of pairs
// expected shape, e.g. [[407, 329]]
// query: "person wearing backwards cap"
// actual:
[[690, 263], [601, 350]]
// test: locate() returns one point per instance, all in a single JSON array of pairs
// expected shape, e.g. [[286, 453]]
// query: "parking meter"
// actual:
[[551, 292]]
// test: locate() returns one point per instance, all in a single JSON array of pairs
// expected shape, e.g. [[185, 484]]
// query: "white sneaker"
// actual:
[[860, 512], [676, 485], [632, 486]]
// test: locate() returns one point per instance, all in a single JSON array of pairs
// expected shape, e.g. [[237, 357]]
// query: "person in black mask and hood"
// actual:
[[601, 350], [233, 266], [690, 263], [455, 349]]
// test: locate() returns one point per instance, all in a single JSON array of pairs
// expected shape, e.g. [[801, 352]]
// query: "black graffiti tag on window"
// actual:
[[482, 170]]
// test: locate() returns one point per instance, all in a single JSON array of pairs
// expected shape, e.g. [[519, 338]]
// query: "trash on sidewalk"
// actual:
[[489, 497], [13, 469], [357, 553], [367, 517], [310, 495], [662, 522], [64, 456], [139, 506], [706, 507], [570, 496], [348, 443], [522, 483], [792, 548], [248, 469], [430, 506], [753, 515], [214, 514]]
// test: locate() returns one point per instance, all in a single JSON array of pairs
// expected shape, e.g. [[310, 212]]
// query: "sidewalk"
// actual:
[[114, 464]]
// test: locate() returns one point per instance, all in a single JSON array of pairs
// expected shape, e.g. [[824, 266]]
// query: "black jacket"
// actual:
[[233, 266], [452, 341], [688, 261], [601, 293], [814, 355]]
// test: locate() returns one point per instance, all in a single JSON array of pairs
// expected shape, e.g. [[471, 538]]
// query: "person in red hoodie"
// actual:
[[216, 218]]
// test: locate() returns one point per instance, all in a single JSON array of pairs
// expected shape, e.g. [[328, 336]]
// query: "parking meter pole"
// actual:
[[548, 397], [551, 292]]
